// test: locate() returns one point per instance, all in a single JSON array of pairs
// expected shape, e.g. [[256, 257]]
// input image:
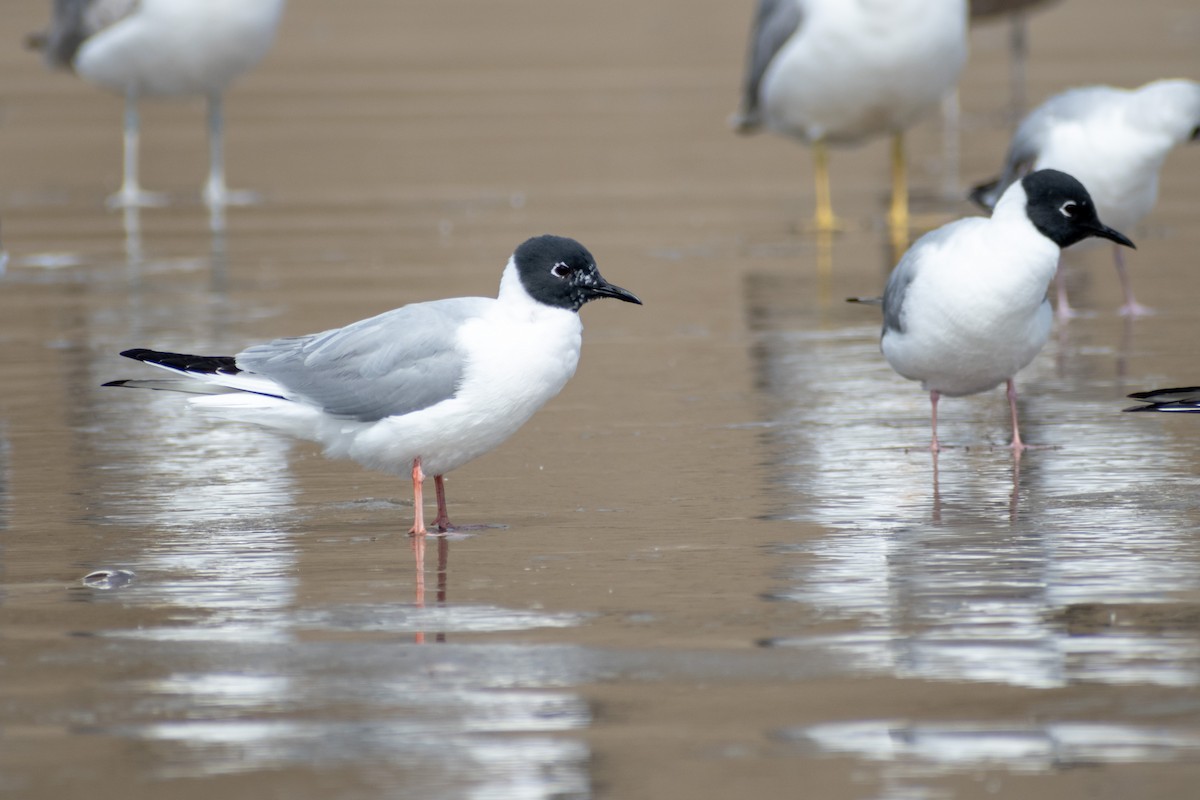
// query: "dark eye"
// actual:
[[561, 270], [1067, 209]]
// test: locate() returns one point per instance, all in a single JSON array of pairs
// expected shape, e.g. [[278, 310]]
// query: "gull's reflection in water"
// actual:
[[217, 502], [137, 264], [443, 556], [249, 674], [965, 567], [912, 756], [131, 220]]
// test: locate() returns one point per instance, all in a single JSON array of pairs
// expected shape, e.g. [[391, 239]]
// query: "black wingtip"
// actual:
[[115, 383], [141, 354], [185, 362]]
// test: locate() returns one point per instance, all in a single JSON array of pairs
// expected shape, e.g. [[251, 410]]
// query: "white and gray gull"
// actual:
[[162, 48], [966, 307], [1115, 142], [422, 389], [841, 71]]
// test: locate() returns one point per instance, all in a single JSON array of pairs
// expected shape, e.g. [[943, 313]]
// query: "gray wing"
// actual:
[[1031, 135], [73, 22], [396, 363], [896, 293], [774, 23], [897, 287]]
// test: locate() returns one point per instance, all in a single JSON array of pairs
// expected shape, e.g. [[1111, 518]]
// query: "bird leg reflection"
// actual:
[[936, 515], [825, 221], [131, 220], [1014, 497], [418, 545], [934, 396]]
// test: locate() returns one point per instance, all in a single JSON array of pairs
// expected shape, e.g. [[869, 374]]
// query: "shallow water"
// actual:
[[720, 563]]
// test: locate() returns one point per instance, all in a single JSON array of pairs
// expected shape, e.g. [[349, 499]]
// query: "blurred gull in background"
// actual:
[[162, 48], [1115, 142], [838, 72]]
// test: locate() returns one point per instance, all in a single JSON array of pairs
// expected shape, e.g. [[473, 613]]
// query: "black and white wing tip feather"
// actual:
[[1185, 399]]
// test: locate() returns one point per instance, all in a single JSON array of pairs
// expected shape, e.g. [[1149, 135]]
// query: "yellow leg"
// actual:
[[898, 220], [826, 222]]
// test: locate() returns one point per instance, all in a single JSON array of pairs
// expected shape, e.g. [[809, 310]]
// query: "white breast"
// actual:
[[976, 312], [519, 359]]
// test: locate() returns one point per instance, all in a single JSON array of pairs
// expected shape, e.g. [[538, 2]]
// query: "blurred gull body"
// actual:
[[162, 48], [841, 71]]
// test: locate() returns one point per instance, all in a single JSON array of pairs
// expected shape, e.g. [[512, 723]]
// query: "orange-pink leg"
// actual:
[[418, 479], [934, 396], [442, 523], [1017, 445]]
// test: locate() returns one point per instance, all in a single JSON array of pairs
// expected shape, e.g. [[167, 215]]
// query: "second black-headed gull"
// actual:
[[419, 390], [966, 307]]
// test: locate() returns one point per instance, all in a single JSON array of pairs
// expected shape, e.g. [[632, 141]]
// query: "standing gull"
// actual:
[[1115, 142], [841, 71], [966, 307], [422, 389], [162, 48]]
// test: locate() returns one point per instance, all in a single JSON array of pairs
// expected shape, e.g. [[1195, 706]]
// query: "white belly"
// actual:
[[180, 47]]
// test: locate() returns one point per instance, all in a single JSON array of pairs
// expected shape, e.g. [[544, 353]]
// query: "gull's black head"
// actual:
[[560, 272], [1062, 209]]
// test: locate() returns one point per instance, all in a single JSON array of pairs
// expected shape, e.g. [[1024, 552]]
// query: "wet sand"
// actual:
[[723, 566]]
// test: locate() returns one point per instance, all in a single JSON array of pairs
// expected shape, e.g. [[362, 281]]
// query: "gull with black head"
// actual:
[[966, 307], [419, 390]]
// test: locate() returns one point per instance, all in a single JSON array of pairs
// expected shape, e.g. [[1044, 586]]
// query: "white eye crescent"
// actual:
[[1067, 209], [561, 270]]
